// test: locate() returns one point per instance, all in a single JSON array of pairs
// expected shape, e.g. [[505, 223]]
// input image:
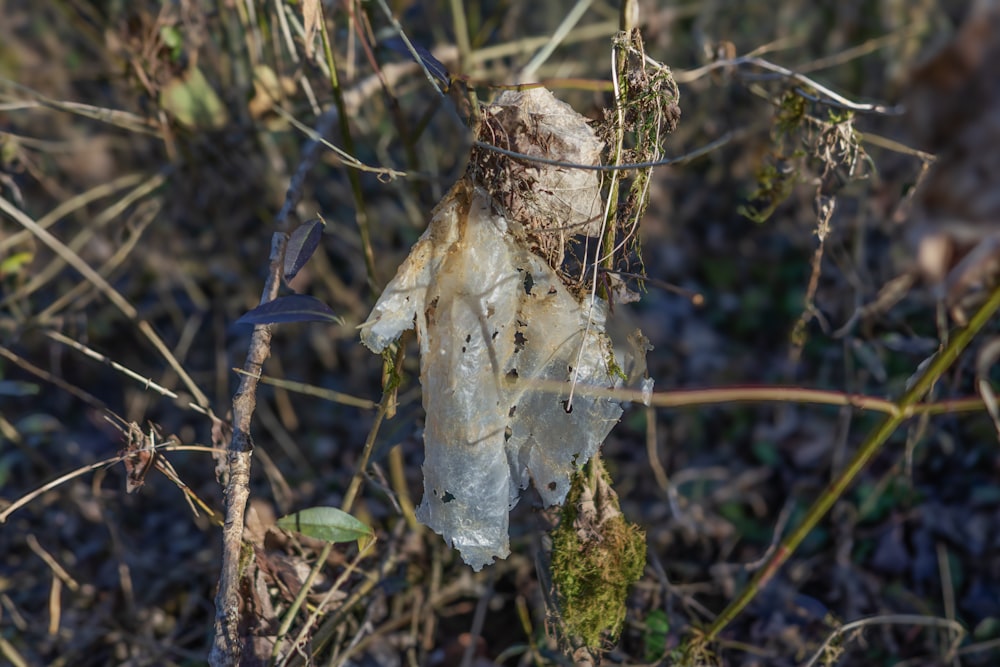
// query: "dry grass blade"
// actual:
[[74, 260], [73, 204], [116, 117]]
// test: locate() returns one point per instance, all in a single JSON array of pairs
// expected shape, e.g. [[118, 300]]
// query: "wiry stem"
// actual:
[[944, 359]]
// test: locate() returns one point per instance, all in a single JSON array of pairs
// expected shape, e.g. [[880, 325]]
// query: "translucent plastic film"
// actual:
[[501, 339]]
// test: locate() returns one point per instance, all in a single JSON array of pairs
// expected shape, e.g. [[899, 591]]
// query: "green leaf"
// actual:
[[654, 638], [326, 523], [172, 38], [14, 263], [191, 99]]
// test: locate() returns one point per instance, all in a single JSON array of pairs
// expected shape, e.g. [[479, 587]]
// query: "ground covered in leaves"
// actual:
[[156, 143]]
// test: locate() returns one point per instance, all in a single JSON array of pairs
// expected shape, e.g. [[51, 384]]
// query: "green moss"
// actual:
[[614, 370], [594, 561]]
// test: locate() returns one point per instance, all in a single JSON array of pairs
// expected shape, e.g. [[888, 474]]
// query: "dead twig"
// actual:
[[226, 647]]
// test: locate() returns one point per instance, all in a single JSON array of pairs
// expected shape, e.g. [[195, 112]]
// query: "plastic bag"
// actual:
[[501, 338]]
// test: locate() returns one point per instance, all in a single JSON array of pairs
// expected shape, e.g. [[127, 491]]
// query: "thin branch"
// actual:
[[69, 388], [329, 117], [117, 117], [569, 22], [227, 648], [360, 208], [627, 166], [891, 619], [827, 96], [409, 46], [48, 486], [74, 204], [687, 398], [104, 359], [318, 392]]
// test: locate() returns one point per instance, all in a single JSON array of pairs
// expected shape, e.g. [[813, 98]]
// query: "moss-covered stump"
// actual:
[[596, 555]]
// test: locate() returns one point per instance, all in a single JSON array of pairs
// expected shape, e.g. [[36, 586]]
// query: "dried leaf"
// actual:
[[302, 243], [312, 17]]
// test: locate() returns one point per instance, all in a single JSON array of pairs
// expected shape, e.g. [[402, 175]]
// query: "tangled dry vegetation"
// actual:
[[832, 225]]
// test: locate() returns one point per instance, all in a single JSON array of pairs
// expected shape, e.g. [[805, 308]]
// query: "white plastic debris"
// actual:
[[501, 338]]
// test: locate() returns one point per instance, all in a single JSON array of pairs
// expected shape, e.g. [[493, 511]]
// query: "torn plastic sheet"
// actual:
[[495, 323]]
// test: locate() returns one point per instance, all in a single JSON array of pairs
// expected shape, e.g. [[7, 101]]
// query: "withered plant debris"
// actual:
[[548, 203], [138, 456], [647, 110]]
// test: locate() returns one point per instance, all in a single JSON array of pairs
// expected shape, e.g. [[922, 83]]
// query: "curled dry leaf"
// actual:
[[138, 455]]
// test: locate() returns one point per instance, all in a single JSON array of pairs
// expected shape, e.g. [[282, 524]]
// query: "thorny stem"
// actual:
[[227, 647], [939, 364]]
